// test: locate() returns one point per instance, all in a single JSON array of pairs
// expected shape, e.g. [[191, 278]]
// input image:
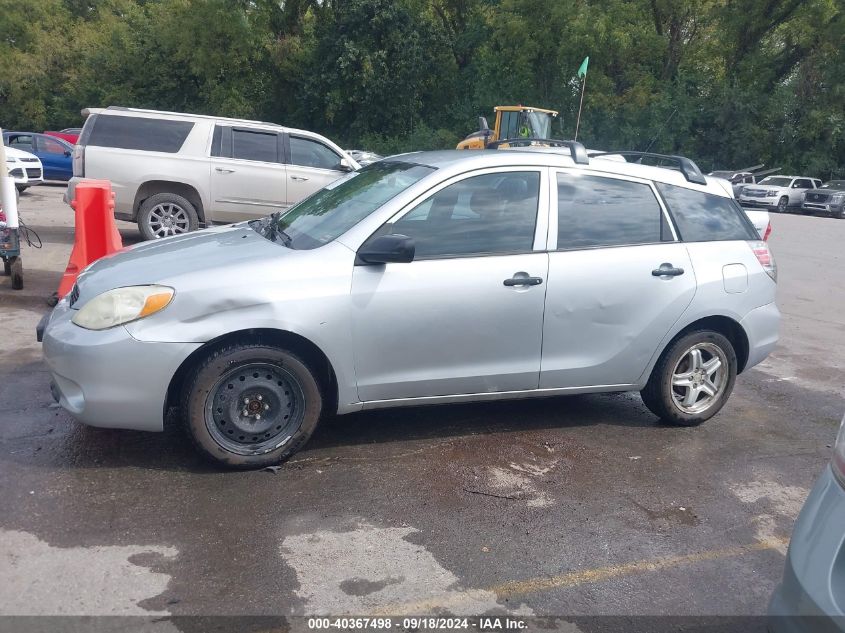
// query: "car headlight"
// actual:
[[122, 305], [771, 193], [838, 198], [838, 461]]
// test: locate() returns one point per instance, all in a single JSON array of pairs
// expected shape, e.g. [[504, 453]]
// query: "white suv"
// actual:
[[778, 193], [173, 173]]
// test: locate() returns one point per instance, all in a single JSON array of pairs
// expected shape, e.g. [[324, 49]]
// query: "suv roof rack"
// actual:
[[688, 168], [576, 150]]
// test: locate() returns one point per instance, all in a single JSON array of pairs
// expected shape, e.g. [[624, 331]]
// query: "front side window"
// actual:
[[255, 145], [597, 211], [50, 146], [704, 217], [481, 215], [803, 183], [308, 153], [338, 207]]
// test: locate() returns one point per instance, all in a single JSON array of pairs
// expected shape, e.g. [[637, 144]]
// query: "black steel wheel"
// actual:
[[251, 405]]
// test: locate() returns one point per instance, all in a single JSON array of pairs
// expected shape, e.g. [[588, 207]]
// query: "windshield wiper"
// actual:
[[270, 229]]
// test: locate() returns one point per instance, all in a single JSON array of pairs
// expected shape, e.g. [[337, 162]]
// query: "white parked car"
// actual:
[[778, 193], [173, 173], [24, 168]]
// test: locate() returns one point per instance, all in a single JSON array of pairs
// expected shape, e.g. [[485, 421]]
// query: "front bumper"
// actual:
[[107, 378], [759, 203], [761, 327], [811, 597], [823, 207]]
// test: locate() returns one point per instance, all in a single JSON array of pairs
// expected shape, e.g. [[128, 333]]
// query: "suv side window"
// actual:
[[255, 145], [308, 153], [598, 211], [49, 146], [704, 217], [140, 133], [802, 183], [492, 214]]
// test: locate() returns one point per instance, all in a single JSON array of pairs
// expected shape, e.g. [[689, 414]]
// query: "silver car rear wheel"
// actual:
[[699, 378], [692, 379]]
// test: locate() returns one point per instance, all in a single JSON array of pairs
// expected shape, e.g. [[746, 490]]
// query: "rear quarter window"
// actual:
[[704, 217], [139, 133]]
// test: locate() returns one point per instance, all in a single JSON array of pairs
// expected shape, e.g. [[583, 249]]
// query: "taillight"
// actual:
[[838, 461], [765, 257], [767, 232], [79, 161]]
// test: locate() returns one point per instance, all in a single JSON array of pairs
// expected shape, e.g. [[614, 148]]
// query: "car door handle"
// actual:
[[523, 281], [667, 270], [298, 178], [223, 170]]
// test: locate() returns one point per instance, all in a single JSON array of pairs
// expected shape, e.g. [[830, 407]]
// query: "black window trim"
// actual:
[[448, 182], [667, 219]]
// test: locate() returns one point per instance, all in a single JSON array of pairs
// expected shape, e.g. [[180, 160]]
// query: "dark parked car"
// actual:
[[829, 198], [56, 155]]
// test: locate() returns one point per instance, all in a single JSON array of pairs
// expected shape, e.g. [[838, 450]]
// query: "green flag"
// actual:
[[582, 71]]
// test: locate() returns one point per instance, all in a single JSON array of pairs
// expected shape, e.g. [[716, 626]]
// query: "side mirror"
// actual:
[[345, 165], [482, 124], [388, 249], [67, 152]]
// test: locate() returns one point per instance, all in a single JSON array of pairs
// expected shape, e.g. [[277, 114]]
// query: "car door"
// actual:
[[798, 189], [618, 280], [247, 173], [312, 166], [55, 158], [465, 316]]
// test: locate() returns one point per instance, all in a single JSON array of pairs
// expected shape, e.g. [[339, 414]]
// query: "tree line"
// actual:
[[730, 83]]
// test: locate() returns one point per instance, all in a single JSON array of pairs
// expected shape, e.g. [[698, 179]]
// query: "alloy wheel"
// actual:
[[699, 378], [167, 219]]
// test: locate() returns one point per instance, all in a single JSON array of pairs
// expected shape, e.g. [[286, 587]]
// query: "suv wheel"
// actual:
[[166, 214], [693, 379], [251, 405], [783, 204]]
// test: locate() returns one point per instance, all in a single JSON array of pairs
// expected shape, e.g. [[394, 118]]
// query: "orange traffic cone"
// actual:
[[96, 234]]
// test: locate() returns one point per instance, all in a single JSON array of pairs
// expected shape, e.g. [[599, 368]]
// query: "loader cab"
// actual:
[[512, 122]]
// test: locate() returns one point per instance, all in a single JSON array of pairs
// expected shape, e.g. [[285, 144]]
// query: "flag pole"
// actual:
[[580, 106]]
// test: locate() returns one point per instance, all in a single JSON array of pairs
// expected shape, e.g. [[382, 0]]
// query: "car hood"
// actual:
[[828, 190], [12, 152], [164, 261]]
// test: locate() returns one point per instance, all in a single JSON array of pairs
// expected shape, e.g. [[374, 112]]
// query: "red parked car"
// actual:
[[69, 134]]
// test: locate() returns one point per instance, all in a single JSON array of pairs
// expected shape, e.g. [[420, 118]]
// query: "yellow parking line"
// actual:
[[576, 578]]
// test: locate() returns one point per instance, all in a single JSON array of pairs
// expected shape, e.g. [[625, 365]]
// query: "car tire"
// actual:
[[166, 214], [676, 379], [783, 204], [21, 188], [840, 215], [251, 405]]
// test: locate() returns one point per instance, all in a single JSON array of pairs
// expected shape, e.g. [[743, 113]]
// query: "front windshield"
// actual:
[[776, 181], [338, 207], [541, 124], [834, 184]]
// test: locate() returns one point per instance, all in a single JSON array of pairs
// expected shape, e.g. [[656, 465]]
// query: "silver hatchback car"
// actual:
[[424, 278]]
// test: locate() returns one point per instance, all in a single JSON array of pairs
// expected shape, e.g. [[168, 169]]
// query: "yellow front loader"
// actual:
[[516, 123]]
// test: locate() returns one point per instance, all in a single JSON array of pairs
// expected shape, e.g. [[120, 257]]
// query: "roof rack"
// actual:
[[688, 168], [578, 151]]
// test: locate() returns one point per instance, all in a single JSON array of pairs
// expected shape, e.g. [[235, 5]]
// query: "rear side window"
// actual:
[[703, 217], [596, 211], [130, 132], [255, 145]]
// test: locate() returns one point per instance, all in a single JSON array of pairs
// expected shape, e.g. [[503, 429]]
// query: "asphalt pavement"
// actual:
[[571, 506]]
